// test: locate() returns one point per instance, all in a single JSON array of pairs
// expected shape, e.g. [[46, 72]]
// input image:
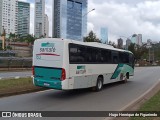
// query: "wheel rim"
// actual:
[[99, 84], [125, 80]]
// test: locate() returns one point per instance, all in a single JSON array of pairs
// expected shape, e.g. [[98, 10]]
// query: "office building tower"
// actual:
[[39, 18], [70, 19], [139, 39], [8, 16], [134, 38], [23, 18], [104, 35], [46, 26], [120, 43], [128, 43]]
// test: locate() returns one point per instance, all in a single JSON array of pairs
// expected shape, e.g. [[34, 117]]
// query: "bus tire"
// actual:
[[126, 78], [99, 84]]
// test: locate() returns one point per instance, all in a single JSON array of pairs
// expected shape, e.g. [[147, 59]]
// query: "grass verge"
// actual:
[[152, 104], [17, 86]]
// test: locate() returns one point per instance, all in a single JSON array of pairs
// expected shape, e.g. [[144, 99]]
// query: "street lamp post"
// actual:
[[151, 53], [89, 12], [86, 15]]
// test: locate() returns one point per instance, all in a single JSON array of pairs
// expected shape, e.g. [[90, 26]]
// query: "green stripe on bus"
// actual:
[[122, 68], [117, 71]]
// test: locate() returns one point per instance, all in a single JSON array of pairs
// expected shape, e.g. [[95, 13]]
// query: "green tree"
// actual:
[[9, 48], [1, 48], [138, 51], [30, 39], [112, 44], [91, 38], [13, 37]]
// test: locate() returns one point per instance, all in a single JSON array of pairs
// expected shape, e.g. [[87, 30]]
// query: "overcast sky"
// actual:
[[121, 17]]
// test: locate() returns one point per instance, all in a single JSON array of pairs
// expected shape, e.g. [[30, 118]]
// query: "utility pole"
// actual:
[[149, 55]]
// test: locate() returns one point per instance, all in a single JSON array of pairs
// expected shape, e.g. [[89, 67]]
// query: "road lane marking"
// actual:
[[42, 91]]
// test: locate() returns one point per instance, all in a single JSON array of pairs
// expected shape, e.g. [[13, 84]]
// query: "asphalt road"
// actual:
[[112, 98], [4, 75]]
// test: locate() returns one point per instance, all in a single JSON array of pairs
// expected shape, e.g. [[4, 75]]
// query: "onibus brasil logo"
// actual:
[[47, 49]]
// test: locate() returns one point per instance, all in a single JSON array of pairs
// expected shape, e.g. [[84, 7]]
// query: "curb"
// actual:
[[135, 104], [22, 92]]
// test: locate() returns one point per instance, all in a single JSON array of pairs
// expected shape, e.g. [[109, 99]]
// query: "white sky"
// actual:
[[121, 17]]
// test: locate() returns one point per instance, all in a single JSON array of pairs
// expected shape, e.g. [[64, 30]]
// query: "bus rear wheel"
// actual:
[[99, 84], [126, 78]]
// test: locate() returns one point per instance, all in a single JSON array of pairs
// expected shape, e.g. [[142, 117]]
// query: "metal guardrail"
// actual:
[[15, 62], [8, 53]]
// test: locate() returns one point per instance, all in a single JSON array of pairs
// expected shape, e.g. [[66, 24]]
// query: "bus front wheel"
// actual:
[[99, 84]]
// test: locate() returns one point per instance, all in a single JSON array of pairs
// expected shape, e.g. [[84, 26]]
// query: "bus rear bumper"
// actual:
[[55, 84]]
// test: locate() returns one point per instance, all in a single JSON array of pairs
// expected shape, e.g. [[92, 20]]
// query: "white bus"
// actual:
[[68, 64]]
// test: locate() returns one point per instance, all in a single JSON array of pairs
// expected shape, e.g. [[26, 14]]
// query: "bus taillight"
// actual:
[[63, 76], [33, 72]]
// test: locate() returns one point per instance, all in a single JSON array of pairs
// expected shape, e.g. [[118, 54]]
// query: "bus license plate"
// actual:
[[46, 84]]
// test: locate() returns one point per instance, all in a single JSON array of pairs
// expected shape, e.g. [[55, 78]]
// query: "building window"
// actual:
[[70, 4], [78, 6]]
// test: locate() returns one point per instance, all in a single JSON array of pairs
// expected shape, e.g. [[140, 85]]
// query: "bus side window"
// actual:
[[89, 55], [115, 57], [121, 57], [131, 60], [81, 54], [126, 58], [94, 55], [72, 53], [77, 54], [98, 56], [104, 56], [109, 57]]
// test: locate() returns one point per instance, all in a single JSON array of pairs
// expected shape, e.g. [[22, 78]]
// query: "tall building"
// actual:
[[23, 18], [128, 42], [39, 18], [70, 19], [8, 15], [1, 7], [134, 38], [46, 26], [120, 43], [104, 35], [139, 39]]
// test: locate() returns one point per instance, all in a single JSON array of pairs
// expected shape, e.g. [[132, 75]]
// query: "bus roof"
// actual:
[[91, 44]]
